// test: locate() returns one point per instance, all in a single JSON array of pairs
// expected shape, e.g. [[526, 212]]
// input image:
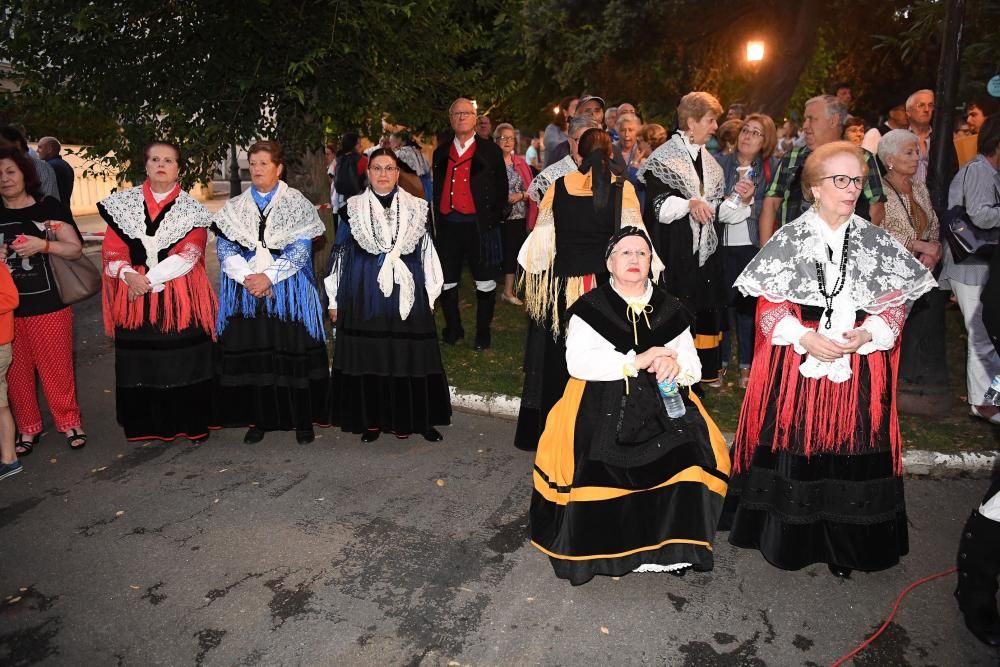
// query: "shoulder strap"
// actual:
[[619, 194]]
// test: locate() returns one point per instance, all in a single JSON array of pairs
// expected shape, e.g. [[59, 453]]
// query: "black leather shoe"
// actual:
[[371, 435], [451, 337], [433, 435], [304, 436], [839, 571], [253, 436], [482, 342]]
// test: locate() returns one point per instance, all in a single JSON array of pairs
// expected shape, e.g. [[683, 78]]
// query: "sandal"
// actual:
[[25, 444], [76, 435]]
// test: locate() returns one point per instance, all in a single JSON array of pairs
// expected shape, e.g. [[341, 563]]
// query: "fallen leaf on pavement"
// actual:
[[53, 460], [14, 600], [440, 482], [120, 513], [134, 587], [604, 631]]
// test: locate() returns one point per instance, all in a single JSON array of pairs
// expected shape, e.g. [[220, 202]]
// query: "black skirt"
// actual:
[[163, 383], [387, 373], [843, 508], [270, 374]]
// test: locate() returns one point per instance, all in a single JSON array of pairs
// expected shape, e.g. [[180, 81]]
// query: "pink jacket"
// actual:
[[522, 168]]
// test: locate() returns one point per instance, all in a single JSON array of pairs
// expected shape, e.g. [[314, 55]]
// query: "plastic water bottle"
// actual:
[[672, 400], [734, 200], [992, 396]]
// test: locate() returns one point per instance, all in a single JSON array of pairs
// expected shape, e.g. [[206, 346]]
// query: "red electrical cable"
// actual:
[[892, 615]]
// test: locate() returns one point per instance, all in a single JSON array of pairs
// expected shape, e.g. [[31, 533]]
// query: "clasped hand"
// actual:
[[138, 285], [826, 349], [661, 361], [701, 211], [259, 285]]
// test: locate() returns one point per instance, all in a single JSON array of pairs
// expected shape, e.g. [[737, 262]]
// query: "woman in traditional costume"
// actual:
[[563, 258], [158, 304], [817, 454], [684, 188], [387, 371], [273, 368], [619, 486]]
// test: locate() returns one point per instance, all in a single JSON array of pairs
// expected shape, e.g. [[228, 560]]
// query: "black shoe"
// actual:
[[304, 436], [253, 436], [839, 571], [978, 568], [432, 435], [371, 435]]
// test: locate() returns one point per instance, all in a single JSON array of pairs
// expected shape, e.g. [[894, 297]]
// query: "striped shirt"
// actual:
[[787, 184]]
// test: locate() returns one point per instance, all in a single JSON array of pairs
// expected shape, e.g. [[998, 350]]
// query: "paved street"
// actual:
[[399, 552]]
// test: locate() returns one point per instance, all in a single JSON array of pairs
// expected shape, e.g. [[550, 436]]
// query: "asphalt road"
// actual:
[[397, 553]]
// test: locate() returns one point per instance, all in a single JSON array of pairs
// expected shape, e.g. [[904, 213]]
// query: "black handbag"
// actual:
[[964, 238]]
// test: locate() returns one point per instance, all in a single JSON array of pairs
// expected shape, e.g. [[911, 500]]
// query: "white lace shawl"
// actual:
[[392, 232], [881, 273], [672, 165], [290, 217], [546, 177], [413, 158], [128, 209]]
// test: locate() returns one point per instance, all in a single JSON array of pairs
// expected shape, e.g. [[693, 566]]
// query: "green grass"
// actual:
[[499, 370]]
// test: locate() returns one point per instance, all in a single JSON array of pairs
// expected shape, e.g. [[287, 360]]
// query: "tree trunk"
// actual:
[[789, 53]]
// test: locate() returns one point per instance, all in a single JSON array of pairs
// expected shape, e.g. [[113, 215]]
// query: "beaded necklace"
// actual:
[[838, 285]]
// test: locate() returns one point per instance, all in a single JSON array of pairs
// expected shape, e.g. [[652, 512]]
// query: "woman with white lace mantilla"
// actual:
[[158, 304], [817, 455], [684, 190], [387, 371], [273, 368]]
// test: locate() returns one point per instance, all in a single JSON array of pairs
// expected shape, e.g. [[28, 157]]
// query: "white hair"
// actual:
[[893, 143], [912, 99], [834, 107], [627, 118]]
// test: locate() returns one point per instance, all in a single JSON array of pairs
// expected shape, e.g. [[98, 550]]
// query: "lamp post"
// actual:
[[755, 52], [235, 182]]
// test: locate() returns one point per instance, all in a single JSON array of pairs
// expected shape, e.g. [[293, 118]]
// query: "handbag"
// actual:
[[76, 279], [964, 238]]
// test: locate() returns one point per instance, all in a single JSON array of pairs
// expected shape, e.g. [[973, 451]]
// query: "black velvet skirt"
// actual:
[[270, 374], [163, 383], [387, 373]]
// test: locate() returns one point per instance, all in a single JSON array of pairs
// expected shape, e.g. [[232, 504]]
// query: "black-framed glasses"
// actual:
[[841, 181]]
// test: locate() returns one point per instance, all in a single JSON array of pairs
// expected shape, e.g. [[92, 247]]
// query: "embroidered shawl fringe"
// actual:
[[295, 300], [830, 409]]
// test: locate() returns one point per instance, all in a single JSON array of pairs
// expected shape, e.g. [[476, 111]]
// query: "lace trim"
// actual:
[[413, 158], [128, 209], [671, 164], [540, 184], [290, 217]]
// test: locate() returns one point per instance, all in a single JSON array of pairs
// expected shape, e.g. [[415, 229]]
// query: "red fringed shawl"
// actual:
[[186, 301], [831, 409]]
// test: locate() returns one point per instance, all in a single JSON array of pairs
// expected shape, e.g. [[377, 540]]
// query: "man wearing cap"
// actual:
[[896, 119], [590, 106], [470, 193]]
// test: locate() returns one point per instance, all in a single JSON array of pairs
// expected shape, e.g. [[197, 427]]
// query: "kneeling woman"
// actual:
[[158, 304], [619, 486], [387, 372]]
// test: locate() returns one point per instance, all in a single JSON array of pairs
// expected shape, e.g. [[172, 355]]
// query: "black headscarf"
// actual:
[[625, 232]]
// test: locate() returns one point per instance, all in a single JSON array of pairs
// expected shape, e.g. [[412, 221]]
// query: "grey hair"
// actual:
[[581, 123], [501, 127], [893, 143], [627, 117], [51, 140], [834, 107], [913, 96]]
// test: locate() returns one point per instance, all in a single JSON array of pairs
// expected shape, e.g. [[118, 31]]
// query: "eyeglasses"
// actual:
[[463, 114], [383, 170], [504, 140], [629, 254], [840, 181], [749, 131]]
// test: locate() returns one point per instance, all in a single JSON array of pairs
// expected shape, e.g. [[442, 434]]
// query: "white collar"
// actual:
[[692, 148], [643, 298], [460, 148]]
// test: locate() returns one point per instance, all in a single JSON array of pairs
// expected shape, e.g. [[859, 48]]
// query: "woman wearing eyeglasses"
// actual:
[[521, 209], [387, 371], [817, 455], [619, 485], [747, 171], [159, 304]]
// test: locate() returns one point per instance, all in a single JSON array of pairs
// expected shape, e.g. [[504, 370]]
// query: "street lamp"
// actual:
[[755, 52]]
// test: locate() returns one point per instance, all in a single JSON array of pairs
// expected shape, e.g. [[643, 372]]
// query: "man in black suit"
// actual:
[[470, 194]]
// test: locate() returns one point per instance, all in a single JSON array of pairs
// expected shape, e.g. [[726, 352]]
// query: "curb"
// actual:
[[916, 462]]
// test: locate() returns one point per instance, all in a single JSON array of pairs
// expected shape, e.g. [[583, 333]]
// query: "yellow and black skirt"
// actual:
[[601, 508]]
